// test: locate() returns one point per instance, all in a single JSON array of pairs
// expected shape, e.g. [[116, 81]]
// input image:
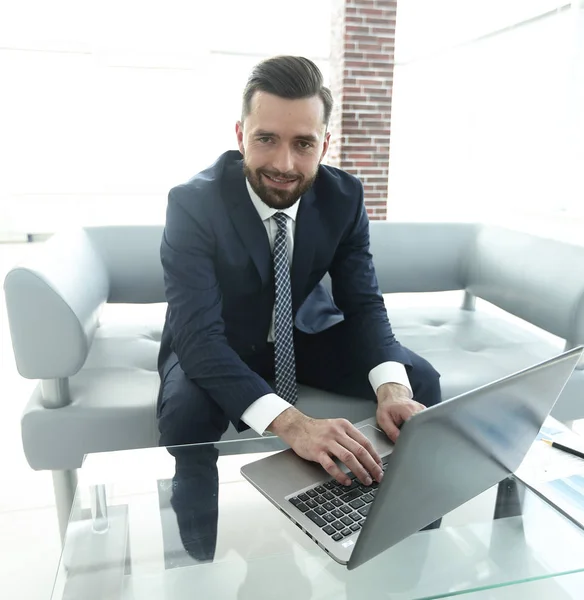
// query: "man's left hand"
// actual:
[[394, 407]]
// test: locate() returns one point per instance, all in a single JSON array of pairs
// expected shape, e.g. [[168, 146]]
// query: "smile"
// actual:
[[278, 180]]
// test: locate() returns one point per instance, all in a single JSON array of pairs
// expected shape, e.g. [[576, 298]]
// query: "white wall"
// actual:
[[492, 128], [108, 109], [102, 111]]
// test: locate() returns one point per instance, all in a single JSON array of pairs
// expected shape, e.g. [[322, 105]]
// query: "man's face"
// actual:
[[282, 142]]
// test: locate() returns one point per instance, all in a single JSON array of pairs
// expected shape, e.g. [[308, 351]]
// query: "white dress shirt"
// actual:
[[265, 409]]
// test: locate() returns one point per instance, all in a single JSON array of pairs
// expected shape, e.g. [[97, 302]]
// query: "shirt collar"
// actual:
[[264, 211]]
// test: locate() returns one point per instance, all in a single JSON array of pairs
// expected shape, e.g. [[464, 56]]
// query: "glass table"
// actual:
[[181, 522]]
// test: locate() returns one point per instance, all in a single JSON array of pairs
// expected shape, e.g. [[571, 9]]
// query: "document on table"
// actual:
[[555, 474]]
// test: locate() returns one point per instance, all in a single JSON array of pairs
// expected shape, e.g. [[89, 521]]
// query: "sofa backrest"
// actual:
[[421, 257], [537, 279], [408, 257], [131, 256]]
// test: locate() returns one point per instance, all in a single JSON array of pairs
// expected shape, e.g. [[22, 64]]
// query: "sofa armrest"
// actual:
[[53, 306], [536, 279]]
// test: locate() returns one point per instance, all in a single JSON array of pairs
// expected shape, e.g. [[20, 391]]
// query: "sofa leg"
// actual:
[[99, 515], [64, 484], [469, 301]]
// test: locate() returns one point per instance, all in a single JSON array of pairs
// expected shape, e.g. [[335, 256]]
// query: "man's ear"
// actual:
[[239, 135], [325, 145]]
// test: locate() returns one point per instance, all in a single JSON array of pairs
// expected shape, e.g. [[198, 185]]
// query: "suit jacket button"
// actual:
[[253, 348]]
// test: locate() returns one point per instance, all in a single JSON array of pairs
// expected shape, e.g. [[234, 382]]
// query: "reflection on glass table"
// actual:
[[178, 523]]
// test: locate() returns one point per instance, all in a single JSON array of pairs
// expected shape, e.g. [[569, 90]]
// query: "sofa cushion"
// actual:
[[116, 390], [473, 348]]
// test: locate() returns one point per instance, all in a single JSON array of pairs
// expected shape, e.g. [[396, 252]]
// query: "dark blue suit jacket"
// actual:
[[219, 282]]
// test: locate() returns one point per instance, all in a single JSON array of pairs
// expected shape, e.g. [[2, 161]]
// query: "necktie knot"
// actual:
[[281, 220]]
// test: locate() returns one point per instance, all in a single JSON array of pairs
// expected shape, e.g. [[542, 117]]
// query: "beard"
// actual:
[[272, 196]]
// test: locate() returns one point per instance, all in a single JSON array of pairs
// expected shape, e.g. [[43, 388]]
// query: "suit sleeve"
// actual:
[[195, 309], [356, 292]]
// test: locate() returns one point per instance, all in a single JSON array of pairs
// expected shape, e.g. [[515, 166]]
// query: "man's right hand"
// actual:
[[321, 440]]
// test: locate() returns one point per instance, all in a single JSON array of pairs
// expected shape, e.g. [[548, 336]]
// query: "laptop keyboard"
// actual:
[[337, 509]]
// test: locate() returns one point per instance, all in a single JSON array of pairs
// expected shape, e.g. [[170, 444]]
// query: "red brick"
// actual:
[[371, 82], [383, 22], [366, 106], [374, 91], [366, 170], [385, 12], [373, 57], [355, 148], [356, 139], [355, 29], [371, 115], [359, 64], [375, 12], [381, 28], [351, 98], [361, 72], [368, 47], [372, 123], [376, 64], [366, 39], [372, 179]]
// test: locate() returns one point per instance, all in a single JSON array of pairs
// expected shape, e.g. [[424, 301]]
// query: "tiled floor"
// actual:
[[29, 540]]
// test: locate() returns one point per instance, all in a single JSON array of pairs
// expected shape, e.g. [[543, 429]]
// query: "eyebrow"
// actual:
[[309, 137]]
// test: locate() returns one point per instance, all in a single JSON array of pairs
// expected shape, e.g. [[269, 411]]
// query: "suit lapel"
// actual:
[[305, 236], [246, 220]]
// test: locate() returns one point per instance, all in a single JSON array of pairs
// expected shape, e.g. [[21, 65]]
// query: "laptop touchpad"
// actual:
[[380, 441]]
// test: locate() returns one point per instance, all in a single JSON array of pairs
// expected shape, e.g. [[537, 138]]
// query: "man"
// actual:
[[245, 246]]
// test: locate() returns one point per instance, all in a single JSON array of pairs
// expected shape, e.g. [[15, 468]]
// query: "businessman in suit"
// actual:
[[245, 246]]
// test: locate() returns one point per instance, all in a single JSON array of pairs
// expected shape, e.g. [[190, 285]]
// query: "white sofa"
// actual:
[[86, 317]]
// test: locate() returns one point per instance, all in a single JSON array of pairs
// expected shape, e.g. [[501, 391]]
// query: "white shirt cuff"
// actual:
[[389, 372], [263, 411]]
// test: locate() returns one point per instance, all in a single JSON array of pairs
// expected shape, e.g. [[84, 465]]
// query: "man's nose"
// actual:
[[283, 160]]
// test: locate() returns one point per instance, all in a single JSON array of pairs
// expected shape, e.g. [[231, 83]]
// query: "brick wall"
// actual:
[[361, 77]]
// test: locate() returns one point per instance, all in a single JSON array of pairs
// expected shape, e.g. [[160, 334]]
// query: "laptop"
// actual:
[[445, 455]]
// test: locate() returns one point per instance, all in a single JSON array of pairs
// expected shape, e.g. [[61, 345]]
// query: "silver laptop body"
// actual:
[[445, 455]]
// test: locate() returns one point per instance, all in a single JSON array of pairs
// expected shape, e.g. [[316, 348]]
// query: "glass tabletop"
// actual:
[[181, 522]]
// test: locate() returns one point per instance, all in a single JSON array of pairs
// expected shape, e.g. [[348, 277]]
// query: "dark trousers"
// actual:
[[327, 361]]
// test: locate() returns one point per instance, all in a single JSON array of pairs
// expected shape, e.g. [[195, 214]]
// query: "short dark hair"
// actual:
[[292, 77]]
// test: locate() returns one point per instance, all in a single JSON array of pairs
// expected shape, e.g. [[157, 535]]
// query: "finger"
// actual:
[[329, 465], [354, 433], [365, 459], [401, 413], [365, 453], [349, 460], [387, 424]]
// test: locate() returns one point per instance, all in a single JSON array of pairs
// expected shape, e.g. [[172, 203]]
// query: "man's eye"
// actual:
[[264, 140], [304, 145]]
